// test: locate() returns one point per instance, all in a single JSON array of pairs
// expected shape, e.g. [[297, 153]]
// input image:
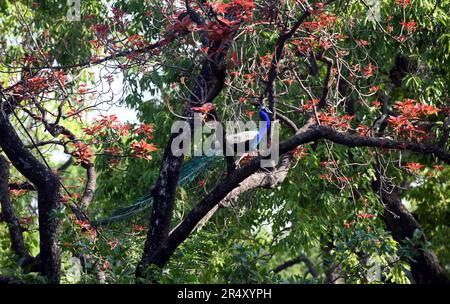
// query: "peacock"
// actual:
[[195, 166]]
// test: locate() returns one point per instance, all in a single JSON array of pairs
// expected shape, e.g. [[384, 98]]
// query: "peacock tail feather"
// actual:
[[189, 172]]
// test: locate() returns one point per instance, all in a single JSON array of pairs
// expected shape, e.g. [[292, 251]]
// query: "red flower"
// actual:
[[326, 177], [183, 25], [403, 3], [365, 215], [414, 166], [362, 130], [347, 225], [344, 179], [206, 108], [438, 167], [234, 58], [300, 152], [123, 129], [17, 192], [142, 149], [326, 164], [368, 70], [250, 113], [113, 150], [113, 244], [266, 60], [92, 130], [310, 104], [138, 228], [117, 12], [82, 153], [83, 224], [201, 183], [289, 81], [146, 129], [374, 88], [410, 26], [110, 121], [101, 29], [376, 104], [398, 122], [362, 42]]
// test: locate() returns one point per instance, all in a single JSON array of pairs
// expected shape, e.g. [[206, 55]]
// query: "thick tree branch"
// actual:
[[209, 84], [236, 178], [359, 141], [425, 267], [47, 185]]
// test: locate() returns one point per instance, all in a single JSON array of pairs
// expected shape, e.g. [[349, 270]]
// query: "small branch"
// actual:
[[89, 190], [326, 85], [300, 259], [286, 121]]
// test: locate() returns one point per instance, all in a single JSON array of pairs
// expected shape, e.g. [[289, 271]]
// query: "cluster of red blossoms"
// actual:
[[403, 3], [321, 21], [341, 123], [229, 16], [142, 149], [44, 81], [410, 112], [82, 153], [103, 126]]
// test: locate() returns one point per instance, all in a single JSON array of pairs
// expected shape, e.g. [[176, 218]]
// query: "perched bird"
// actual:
[[196, 165]]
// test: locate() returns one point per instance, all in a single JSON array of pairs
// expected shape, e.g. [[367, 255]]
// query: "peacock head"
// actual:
[[264, 112]]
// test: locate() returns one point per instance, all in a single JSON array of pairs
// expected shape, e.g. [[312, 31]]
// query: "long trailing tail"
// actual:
[[189, 172]]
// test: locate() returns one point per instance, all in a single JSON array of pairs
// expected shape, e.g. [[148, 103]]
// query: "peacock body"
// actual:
[[192, 169]]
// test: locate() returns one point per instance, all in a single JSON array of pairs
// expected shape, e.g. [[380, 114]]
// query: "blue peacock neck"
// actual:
[[263, 130]]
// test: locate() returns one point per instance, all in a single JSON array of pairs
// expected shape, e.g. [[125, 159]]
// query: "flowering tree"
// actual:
[[360, 95]]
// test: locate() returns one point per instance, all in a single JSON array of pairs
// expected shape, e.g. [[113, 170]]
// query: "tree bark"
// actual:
[[209, 84], [47, 186], [425, 267], [233, 180]]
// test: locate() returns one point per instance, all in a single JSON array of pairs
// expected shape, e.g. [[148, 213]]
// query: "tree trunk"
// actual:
[[47, 186], [425, 267]]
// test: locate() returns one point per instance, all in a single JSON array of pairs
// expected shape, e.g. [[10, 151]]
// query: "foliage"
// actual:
[[325, 208]]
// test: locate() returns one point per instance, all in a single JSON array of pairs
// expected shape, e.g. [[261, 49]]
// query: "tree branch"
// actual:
[[209, 84], [300, 259], [47, 185], [236, 178], [425, 267]]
